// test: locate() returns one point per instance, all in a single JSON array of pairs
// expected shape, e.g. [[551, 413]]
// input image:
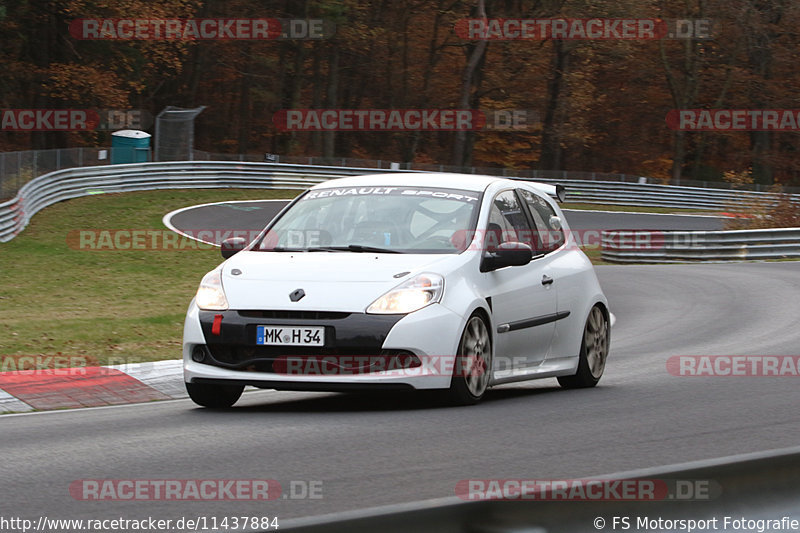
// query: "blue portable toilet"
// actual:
[[130, 146]]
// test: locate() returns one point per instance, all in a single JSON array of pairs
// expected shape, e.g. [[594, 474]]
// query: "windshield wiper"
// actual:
[[358, 248], [281, 249]]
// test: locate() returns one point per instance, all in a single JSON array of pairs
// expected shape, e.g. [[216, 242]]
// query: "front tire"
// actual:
[[216, 396], [473, 363], [594, 352]]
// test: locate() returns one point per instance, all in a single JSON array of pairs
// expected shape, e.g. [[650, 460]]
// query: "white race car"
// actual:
[[400, 281]]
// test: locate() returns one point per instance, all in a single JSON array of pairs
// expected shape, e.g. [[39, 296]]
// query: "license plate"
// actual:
[[290, 336]]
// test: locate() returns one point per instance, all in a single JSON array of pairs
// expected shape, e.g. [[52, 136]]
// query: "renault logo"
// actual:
[[297, 295]]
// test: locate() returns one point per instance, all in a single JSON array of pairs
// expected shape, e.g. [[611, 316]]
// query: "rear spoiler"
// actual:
[[557, 191]]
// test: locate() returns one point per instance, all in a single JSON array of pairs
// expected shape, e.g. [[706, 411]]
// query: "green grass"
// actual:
[[594, 253], [103, 305]]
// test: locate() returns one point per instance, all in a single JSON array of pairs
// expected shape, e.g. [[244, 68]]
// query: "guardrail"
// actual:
[[531, 173], [637, 246], [753, 486], [74, 182], [653, 195]]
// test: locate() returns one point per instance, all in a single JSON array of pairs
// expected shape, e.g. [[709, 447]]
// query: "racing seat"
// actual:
[[379, 233]]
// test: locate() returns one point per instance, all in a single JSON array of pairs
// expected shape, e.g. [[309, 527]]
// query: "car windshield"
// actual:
[[394, 219]]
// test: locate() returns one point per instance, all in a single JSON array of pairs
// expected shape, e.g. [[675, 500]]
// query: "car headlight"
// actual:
[[410, 296], [211, 296]]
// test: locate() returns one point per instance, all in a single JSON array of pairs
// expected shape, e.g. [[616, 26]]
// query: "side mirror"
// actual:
[[507, 254], [232, 246]]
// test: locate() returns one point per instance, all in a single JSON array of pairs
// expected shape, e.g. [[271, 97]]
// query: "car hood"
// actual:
[[340, 281]]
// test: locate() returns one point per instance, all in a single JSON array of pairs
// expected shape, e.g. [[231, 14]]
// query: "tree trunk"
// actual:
[[678, 155], [245, 116], [316, 94], [329, 137], [477, 51], [550, 158]]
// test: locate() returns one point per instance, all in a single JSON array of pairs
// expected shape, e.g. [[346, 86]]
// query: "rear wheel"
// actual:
[[594, 352], [214, 395], [473, 363]]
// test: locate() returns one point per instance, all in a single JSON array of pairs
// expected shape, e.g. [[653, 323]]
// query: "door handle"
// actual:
[[547, 280]]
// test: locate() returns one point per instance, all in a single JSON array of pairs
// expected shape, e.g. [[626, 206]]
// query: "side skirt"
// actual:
[[563, 366]]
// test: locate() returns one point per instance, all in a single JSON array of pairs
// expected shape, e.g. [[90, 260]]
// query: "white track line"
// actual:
[[167, 219], [164, 376], [156, 403], [11, 404]]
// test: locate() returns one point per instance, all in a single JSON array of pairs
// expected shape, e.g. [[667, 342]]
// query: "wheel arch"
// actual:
[[603, 307], [486, 315]]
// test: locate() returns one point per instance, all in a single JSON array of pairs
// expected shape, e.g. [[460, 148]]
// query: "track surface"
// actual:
[[254, 215], [380, 450]]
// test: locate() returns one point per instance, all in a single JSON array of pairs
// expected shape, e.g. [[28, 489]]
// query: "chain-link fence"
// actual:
[[175, 133], [18, 168]]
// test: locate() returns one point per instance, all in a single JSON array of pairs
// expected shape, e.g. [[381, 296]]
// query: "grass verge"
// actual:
[[595, 254], [108, 306]]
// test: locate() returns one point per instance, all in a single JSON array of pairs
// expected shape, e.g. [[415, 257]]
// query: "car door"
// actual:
[[522, 297], [549, 239]]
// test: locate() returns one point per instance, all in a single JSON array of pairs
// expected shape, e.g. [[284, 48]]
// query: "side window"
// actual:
[[507, 222], [548, 236]]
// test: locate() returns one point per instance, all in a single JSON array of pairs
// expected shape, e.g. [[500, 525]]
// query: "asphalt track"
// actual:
[[253, 215], [370, 451]]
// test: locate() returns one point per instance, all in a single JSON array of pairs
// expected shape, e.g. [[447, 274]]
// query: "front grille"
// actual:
[[295, 315], [261, 358]]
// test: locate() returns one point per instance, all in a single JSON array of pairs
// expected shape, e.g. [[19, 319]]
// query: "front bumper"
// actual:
[[431, 334]]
